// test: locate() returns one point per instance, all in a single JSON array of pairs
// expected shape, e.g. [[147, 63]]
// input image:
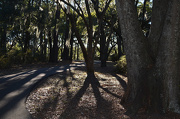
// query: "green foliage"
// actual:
[[121, 65], [30, 57], [113, 57], [16, 57]]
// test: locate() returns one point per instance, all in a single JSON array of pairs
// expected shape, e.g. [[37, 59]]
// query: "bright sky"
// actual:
[[143, 0]]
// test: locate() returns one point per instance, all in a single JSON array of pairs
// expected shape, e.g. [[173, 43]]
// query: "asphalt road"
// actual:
[[15, 88]]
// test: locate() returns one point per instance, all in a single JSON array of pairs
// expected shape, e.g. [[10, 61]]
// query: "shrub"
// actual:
[[14, 56], [5, 62], [121, 65], [28, 58], [114, 57]]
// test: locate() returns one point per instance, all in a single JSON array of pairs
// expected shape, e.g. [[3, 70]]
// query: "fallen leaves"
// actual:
[[50, 99]]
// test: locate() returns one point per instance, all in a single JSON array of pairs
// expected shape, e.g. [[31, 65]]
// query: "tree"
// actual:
[[112, 21], [87, 18], [144, 15], [54, 52], [153, 62], [8, 12], [100, 13]]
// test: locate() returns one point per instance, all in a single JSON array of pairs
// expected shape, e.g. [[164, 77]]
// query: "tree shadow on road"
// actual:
[[16, 87]]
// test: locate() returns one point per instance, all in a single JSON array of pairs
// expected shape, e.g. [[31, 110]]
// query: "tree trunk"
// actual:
[[87, 53], [41, 43], [65, 55], [55, 46], [45, 45], [26, 42], [3, 41], [71, 43], [55, 49], [77, 52], [102, 44], [50, 47], [119, 42], [153, 63]]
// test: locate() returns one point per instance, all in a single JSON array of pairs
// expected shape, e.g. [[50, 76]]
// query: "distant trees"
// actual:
[[100, 8], [32, 26], [39, 30], [153, 61], [8, 13]]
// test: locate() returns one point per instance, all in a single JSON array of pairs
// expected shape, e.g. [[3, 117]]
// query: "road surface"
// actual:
[[15, 88]]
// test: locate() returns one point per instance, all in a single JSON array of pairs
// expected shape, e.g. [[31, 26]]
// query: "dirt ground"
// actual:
[[62, 96]]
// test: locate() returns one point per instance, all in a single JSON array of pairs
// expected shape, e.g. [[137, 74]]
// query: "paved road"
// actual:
[[15, 88]]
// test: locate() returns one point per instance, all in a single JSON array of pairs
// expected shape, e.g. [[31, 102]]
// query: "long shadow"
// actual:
[[103, 106], [11, 76], [121, 81], [97, 64], [17, 83], [113, 94], [21, 90], [65, 75], [73, 103], [113, 74]]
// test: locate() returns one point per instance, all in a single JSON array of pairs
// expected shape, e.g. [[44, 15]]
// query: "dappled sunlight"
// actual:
[[15, 87], [64, 96]]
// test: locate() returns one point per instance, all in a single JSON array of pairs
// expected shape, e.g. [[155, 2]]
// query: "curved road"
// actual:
[[15, 88]]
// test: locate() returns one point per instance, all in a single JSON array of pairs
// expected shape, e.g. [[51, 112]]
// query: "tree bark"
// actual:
[[153, 63], [119, 42], [103, 43], [71, 43], [55, 49], [88, 52], [103, 52], [77, 52], [50, 46], [65, 55], [26, 42], [3, 41]]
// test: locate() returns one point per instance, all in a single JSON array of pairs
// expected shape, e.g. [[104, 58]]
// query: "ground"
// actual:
[[61, 96], [54, 98]]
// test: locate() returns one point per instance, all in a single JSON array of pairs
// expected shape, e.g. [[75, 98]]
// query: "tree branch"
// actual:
[[106, 7], [77, 11]]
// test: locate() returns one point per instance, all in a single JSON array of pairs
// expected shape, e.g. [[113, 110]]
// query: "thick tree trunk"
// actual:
[[153, 66], [168, 57]]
